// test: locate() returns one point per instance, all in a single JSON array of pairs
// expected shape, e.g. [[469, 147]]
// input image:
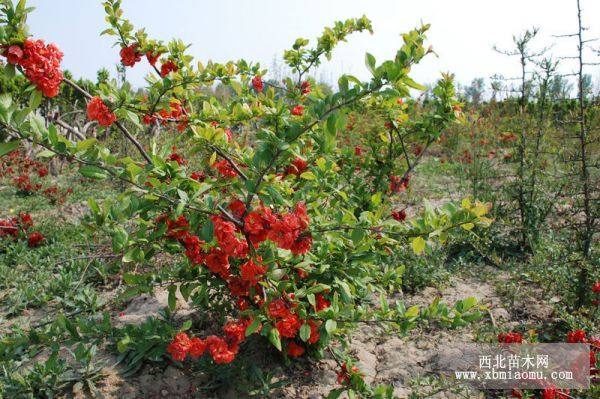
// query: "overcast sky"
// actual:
[[463, 32]]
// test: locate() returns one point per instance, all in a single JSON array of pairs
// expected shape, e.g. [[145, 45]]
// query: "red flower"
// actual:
[[225, 169], [295, 350], [219, 350], [288, 326], [14, 54], [25, 220], [176, 157], [130, 55], [217, 262], [179, 347], [279, 308], [35, 239], [257, 83], [251, 272], [168, 67], [516, 394], [98, 111], [298, 110], [577, 336], [302, 244], [148, 119], [398, 184], [242, 303], [596, 287], [237, 208], [344, 374], [42, 172], [399, 215], [235, 331], [314, 332], [322, 302], [197, 348], [152, 58], [357, 151], [238, 287], [510, 338], [257, 226], [40, 63], [198, 176], [553, 393], [225, 234], [305, 86], [297, 167]]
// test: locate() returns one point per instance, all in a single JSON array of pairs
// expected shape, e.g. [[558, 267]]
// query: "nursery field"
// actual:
[[219, 233]]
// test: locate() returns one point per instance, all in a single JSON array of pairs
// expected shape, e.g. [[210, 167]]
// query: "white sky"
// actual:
[[463, 32]]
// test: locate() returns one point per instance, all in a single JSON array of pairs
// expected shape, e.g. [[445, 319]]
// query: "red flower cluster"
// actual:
[[553, 393], [297, 167], [298, 110], [198, 176], [152, 58], [40, 63], [398, 184], [19, 164], [287, 230], [35, 239], [399, 215], [577, 337], [321, 302], [344, 374], [24, 185], [222, 350], [174, 156], [18, 227], [168, 67], [305, 87], [510, 338], [175, 113], [357, 151], [225, 168], [596, 287], [130, 55], [98, 111], [257, 83]]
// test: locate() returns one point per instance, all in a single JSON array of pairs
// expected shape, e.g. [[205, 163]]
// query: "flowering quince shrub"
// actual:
[[284, 238], [19, 228], [573, 337], [29, 177]]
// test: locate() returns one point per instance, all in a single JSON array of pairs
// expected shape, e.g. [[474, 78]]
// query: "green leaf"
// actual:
[[370, 62], [411, 312], [252, 328], [308, 176], [122, 344], [35, 99], [305, 332], [418, 245], [275, 339], [469, 302], [330, 326], [172, 297], [93, 172], [8, 147]]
